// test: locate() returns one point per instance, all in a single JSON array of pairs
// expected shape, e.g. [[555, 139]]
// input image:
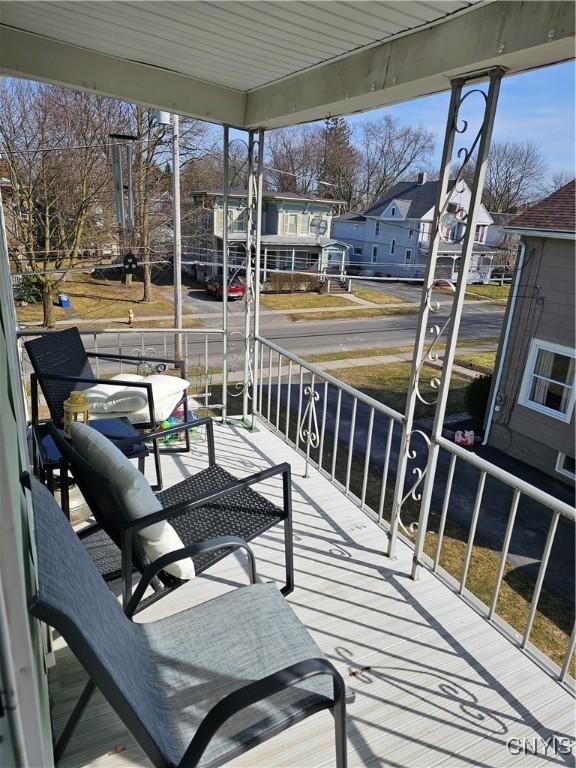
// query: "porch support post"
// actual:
[[225, 200], [457, 307], [422, 349], [249, 294], [252, 296], [257, 270], [418, 359]]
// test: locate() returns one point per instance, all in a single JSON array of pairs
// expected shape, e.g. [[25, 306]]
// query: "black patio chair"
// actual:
[[61, 364], [247, 670], [208, 504]]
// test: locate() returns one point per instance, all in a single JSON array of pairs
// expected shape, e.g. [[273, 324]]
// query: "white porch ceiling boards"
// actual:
[[274, 62], [241, 44]]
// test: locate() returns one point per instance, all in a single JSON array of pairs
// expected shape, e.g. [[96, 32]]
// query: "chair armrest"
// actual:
[[135, 358], [207, 422], [258, 691], [210, 545], [177, 509]]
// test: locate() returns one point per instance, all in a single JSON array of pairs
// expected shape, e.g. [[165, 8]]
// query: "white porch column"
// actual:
[[293, 258], [225, 200], [454, 126]]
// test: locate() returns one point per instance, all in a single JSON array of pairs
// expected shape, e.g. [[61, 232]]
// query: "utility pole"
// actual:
[[177, 234]]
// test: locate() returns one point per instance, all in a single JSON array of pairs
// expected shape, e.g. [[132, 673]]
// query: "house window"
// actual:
[[548, 384], [566, 465], [292, 223], [410, 233], [408, 256], [392, 247], [393, 211], [376, 228], [358, 251], [374, 253]]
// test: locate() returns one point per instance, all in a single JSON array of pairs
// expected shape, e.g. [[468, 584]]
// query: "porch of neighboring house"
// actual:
[[435, 683]]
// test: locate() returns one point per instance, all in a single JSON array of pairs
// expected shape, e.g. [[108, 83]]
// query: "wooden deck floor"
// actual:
[[436, 684]]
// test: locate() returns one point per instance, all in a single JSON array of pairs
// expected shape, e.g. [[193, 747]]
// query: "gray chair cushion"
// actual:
[[170, 673]]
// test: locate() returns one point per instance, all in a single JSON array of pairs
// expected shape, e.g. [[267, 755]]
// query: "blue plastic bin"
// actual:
[[63, 300]]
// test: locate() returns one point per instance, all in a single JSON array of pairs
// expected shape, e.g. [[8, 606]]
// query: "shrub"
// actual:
[[30, 290], [477, 394], [279, 282]]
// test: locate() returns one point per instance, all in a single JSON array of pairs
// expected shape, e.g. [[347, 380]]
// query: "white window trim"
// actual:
[[560, 469], [374, 254], [523, 399], [406, 252]]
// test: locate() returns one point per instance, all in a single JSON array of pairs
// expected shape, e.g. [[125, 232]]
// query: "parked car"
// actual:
[[502, 272], [214, 286]]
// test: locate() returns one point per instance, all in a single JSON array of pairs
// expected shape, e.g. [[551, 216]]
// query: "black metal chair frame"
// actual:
[[37, 378], [123, 532], [232, 704]]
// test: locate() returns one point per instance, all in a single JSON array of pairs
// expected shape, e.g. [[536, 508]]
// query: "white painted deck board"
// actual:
[[437, 685]]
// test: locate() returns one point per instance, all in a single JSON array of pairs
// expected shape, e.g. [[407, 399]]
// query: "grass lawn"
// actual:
[[377, 297], [352, 354], [489, 291], [478, 361], [302, 301], [99, 299], [389, 384], [354, 314]]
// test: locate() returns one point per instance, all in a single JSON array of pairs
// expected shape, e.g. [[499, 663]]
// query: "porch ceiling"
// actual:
[[275, 63]]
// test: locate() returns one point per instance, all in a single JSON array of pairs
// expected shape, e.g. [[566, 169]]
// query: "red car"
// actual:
[[214, 286]]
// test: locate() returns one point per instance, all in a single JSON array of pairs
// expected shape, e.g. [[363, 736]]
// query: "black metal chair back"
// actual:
[[59, 352]]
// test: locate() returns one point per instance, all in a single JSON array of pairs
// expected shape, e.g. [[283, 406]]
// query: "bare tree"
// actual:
[[388, 151], [293, 159], [55, 144], [556, 182], [514, 174]]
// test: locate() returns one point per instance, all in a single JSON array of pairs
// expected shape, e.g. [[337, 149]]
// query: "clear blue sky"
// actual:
[[538, 106]]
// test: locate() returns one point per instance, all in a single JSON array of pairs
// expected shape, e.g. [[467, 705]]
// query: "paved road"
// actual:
[[309, 337]]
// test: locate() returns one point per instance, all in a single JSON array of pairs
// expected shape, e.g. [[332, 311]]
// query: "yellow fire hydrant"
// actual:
[[130, 317]]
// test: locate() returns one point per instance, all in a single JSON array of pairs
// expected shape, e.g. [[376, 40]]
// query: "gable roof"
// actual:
[[556, 213], [421, 197]]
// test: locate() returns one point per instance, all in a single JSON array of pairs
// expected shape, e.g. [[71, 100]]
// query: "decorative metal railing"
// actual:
[[355, 442], [202, 351]]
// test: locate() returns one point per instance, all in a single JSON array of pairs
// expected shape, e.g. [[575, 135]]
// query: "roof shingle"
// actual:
[[556, 213]]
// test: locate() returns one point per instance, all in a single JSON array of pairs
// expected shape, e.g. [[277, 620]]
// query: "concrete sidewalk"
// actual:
[[359, 362]]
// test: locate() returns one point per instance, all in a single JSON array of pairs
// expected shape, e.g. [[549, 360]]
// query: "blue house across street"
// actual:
[[392, 237]]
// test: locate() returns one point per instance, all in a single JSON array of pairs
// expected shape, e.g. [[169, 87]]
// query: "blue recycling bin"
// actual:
[[63, 300]]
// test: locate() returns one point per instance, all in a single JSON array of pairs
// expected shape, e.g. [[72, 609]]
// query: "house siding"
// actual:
[[547, 313]]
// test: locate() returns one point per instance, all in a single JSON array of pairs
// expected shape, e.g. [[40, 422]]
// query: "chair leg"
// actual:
[[157, 465], [339, 712], [288, 557], [70, 726]]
